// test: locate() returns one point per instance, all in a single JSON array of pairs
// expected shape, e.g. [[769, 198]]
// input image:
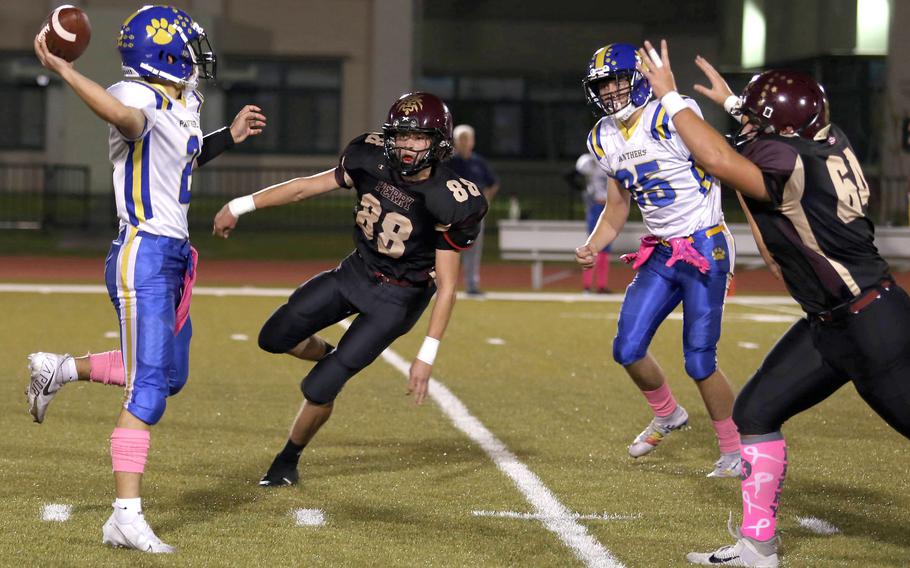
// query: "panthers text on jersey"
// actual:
[[399, 224], [152, 174], [676, 197], [815, 225]]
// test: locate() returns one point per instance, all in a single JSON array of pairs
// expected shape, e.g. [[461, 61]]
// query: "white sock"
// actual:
[[670, 418], [68, 370], [126, 510]]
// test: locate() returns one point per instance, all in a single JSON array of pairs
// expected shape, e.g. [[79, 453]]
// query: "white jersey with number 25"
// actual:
[[676, 197]]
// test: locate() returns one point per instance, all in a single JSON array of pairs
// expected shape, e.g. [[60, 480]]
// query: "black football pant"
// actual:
[[814, 359], [386, 312]]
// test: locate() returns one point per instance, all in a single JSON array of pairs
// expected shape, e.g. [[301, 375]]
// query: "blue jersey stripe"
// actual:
[[654, 133], [128, 186], [146, 193]]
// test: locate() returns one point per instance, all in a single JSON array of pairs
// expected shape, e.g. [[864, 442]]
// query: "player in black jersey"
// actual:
[[413, 216], [805, 192]]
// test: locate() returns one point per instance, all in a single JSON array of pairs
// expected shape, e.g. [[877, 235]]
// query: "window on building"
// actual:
[[23, 85], [302, 99], [517, 117]]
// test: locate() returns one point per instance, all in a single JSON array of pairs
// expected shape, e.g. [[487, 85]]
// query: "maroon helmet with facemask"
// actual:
[[778, 99], [424, 113]]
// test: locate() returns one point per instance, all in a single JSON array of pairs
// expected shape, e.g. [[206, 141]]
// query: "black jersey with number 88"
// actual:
[[399, 225]]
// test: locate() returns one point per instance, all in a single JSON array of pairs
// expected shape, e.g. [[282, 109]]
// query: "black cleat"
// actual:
[[280, 474]]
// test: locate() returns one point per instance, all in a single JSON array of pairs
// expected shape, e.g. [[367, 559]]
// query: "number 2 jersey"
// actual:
[[676, 197], [399, 225], [815, 224], [152, 174]]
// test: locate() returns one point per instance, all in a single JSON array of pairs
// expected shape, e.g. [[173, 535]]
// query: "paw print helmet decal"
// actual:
[[165, 42]]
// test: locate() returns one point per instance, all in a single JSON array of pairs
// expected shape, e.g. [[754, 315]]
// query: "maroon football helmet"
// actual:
[[424, 113], [777, 99]]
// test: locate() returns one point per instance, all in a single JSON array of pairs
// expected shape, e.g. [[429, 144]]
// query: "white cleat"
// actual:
[[744, 552], [654, 434], [729, 465], [44, 383], [137, 535]]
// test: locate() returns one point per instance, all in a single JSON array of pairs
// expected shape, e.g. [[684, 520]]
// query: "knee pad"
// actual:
[[269, 343], [147, 405], [323, 383], [701, 364], [626, 353]]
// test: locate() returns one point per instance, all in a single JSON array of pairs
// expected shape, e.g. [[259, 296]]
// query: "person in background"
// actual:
[[472, 166], [595, 196]]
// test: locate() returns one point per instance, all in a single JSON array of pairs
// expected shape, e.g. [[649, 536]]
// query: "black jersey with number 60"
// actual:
[[815, 225], [399, 224]]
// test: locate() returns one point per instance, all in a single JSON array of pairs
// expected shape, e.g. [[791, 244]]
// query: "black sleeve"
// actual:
[[364, 151], [457, 222], [777, 161], [214, 144]]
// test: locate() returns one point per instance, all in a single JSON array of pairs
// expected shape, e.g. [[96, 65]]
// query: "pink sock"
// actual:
[[587, 278], [727, 435], [661, 400], [764, 468], [602, 267], [107, 368], [130, 449]]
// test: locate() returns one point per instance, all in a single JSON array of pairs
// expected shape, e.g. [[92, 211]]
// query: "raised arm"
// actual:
[[708, 147], [283, 193], [611, 221], [249, 122], [128, 120]]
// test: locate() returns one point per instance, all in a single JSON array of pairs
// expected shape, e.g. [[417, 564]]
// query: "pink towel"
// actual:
[[648, 242], [682, 250], [183, 308]]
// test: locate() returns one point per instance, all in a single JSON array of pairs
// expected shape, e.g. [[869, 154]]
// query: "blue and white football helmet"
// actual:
[[616, 62], [165, 42]]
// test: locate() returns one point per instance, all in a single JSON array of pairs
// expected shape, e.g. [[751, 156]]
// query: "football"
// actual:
[[68, 32]]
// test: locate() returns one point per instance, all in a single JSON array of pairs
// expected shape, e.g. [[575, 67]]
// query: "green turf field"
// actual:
[[399, 484]]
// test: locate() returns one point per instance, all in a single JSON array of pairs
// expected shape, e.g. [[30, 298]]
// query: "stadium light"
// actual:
[[753, 42], [872, 20]]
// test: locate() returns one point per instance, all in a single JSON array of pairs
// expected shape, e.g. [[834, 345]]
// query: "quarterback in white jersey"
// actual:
[[687, 257], [153, 171], [155, 142]]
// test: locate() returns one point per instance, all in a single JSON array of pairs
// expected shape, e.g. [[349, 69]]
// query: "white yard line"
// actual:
[[818, 526], [535, 517], [56, 512], [309, 517], [570, 298], [547, 508]]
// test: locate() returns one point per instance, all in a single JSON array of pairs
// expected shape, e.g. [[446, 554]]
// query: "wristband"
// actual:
[[428, 350], [731, 105], [673, 103], [241, 205]]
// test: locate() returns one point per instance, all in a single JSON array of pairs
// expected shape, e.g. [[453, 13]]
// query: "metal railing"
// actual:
[[52, 196], [38, 196]]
